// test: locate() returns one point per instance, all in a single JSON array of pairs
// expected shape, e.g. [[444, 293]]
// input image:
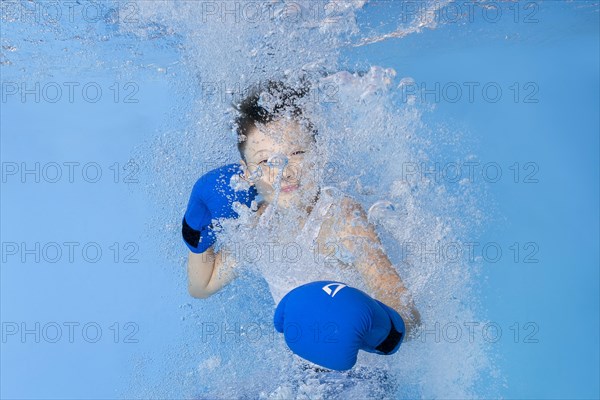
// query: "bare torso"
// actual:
[[327, 241]]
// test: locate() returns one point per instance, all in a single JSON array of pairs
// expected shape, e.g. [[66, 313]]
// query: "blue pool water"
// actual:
[[94, 300]]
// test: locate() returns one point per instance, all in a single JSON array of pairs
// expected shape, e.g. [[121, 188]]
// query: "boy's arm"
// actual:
[[208, 273], [359, 236]]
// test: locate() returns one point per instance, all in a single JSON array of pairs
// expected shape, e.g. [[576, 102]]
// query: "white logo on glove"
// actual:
[[327, 289]]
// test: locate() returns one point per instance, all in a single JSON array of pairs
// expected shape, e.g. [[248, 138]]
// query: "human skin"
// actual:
[[296, 181], [295, 186]]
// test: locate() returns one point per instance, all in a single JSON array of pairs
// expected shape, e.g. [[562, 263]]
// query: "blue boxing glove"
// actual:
[[328, 322], [212, 198]]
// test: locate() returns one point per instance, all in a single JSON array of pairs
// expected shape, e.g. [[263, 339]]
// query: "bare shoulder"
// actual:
[[352, 208], [348, 205], [336, 214], [354, 220]]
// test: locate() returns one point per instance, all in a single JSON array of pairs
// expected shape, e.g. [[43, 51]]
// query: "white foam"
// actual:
[[364, 137]]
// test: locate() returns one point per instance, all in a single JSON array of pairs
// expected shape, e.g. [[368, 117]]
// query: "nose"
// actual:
[[279, 164], [278, 160]]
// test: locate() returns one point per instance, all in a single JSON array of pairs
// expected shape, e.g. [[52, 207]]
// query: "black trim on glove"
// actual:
[[190, 235], [390, 342]]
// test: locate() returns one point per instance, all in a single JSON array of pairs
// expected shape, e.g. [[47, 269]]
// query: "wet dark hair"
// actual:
[[283, 99]]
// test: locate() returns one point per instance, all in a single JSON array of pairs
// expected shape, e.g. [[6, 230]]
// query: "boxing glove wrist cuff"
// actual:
[[190, 235], [197, 241], [392, 341]]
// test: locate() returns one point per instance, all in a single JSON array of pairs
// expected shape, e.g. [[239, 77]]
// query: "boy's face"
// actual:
[[280, 155]]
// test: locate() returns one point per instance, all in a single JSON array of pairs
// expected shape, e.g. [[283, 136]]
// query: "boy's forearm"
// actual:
[[412, 319], [398, 298], [387, 287]]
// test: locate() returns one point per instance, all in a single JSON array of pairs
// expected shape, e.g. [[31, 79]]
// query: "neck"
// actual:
[[308, 209]]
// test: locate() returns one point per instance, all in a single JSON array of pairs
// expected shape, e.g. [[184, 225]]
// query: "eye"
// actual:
[[262, 161], [298, 152]]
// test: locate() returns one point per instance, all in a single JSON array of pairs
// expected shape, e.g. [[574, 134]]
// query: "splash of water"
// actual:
[[364, 136]]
